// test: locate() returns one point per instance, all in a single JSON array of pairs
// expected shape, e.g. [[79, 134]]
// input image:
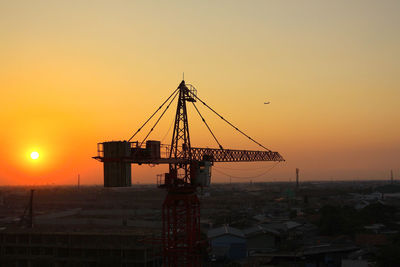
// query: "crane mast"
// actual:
[[181, 207], [189, 168], [180, 143]]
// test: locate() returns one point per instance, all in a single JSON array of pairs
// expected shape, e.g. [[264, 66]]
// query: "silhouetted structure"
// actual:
[[189, 168], [27, 217], [391, 177], [22, 247]]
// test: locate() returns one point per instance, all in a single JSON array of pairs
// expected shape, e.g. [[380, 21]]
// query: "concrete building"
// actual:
[[41, 248]]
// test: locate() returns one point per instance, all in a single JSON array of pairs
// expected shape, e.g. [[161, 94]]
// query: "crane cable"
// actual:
[[208, 127], [169, 129], [241, 169], [230, 123], [246, 178], [134, 154], [152, 115], [159, 118]]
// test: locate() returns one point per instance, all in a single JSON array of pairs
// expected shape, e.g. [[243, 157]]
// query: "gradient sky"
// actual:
[[74, 73]]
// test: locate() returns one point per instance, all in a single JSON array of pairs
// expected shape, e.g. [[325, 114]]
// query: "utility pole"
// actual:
[[79, 181], [1, 198], [391, 177], [297, 178], [31, 209]]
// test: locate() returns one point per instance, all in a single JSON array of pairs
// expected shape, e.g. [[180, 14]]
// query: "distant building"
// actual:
[[371, 240], [227, 242], [261, 240], [361, 204], [354, 263], [261, 218], [27, 247]]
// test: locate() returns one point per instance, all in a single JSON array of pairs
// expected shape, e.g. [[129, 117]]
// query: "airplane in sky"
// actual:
[[266, 103]]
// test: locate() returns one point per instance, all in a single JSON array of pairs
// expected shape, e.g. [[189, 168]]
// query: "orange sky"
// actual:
[[74, 73]]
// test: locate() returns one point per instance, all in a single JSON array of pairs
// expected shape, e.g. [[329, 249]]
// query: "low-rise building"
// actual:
[[227, 242], [261, 239], [42, 248]]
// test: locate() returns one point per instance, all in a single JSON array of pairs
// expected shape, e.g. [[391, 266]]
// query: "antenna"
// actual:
[[183, 76]]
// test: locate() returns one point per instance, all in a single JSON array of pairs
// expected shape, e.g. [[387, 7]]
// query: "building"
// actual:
[[261, 239], [45, 248], [227, 243]]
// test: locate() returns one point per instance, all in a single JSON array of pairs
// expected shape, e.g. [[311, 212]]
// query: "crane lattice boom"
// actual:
[[145, 156]]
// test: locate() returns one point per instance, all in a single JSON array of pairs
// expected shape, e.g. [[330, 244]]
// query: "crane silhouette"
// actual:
[[189, 169]]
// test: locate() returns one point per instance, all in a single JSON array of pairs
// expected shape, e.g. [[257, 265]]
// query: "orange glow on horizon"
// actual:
[[329, 70]]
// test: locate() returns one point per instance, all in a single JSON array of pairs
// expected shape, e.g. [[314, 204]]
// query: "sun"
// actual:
[[34, 155]]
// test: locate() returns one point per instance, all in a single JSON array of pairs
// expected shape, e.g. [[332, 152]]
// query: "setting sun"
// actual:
[[34, 155]]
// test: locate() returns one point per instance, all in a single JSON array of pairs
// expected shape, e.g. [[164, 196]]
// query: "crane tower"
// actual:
[[189, 169]]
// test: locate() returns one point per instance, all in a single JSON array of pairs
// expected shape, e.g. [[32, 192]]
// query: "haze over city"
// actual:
[[73, 74]]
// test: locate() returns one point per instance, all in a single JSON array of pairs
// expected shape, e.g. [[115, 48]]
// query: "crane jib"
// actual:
[[155, 153]]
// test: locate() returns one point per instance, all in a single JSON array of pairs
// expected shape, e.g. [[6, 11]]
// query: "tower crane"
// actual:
[[189, 169]]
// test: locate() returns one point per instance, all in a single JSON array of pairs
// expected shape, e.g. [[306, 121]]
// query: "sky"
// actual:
[[75, 73]]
